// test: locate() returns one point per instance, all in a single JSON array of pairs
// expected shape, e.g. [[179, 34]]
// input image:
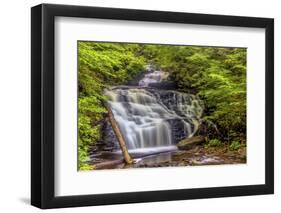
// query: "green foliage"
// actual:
[[100, 65], [214, 143], [235, 145], [90, 112], [86, 167]]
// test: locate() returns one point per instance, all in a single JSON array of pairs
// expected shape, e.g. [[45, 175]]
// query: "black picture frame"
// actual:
[[43, 102]]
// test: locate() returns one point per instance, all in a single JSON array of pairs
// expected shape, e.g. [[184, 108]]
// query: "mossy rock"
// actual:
[[189, 143]]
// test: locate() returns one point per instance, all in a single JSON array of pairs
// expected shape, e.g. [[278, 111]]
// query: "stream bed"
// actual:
[[197, 156]]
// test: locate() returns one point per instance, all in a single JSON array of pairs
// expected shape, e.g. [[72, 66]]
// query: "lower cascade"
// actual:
[[154, 118]]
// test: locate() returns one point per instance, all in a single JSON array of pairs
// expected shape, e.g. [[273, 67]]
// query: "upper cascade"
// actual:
[[156, 76]]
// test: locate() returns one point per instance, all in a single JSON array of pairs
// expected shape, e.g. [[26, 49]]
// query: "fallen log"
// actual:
[[121, 140]]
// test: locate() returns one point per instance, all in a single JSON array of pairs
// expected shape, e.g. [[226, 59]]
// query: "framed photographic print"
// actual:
[[140, 106]]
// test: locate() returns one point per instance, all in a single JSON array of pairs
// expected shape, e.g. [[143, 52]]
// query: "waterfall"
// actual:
[[150, 117]]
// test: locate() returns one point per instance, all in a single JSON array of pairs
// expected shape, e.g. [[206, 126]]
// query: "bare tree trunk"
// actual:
[[120, 137]]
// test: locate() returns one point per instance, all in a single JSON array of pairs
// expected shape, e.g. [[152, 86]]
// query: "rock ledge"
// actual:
[[189, 143]]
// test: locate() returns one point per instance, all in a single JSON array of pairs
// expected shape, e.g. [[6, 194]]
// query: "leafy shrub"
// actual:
[[214, 143], [86, 167], [235, 145]]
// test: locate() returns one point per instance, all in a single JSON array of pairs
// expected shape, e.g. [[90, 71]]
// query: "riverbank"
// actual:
[[197, 156]]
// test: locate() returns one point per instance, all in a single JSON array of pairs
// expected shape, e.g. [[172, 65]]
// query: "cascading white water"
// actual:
[[147, 117], [153, 77]]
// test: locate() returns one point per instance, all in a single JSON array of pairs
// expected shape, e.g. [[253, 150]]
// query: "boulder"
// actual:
[[189, 143]]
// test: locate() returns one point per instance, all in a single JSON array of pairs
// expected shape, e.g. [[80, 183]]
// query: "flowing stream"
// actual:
[[152, 119]]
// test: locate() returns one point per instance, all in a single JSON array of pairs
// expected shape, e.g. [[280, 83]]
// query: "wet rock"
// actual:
[[178, 130], [109, 142], [207, 128], [165, 85], [190, 143]]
